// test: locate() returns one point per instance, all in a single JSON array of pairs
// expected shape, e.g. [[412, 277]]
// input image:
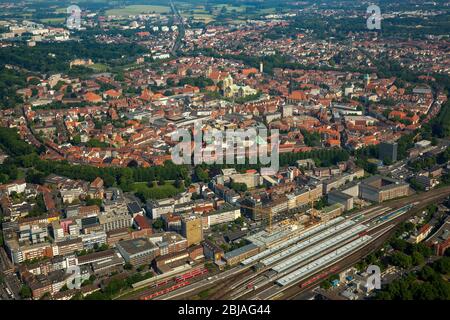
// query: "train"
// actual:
[[362, 233], [191, 274], [395, 213], [180, 281], [165, 291], [162, 283], [318, 277]]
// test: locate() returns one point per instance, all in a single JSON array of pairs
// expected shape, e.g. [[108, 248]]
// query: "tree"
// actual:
[[25, 292], [312, 139], [196, 196], [128, 266], [93, 202], [34, 177], [399, 244], [158, 224], [201, 174], [178, 183], [239, 221], [325, 284], [239, 187], [401, 260], [428, 274], [417, 258], [424, 291], [322, 203], [423, 249], [442, 265], [77, 296]]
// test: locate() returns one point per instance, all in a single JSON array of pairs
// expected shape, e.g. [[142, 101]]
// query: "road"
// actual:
[[31, 137], [181, 29]]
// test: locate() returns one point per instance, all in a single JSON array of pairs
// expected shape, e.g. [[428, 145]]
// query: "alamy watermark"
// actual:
[[74, 19], [374, 20], [374, 278], [232, 147], [75, 279]]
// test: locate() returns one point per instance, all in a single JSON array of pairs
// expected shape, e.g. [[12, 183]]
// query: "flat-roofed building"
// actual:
[[169, 242], [156, 209], [251, 180], [440, 240], [165, 263], [212, 251], [22, 252], [341, 180], [117, 235], [69, 246], [331, 212], [234, 257], [192, 229], [226, 213], [93, 239], [380, 189], [388, 151], [138, 251], [337, 196], [112, 221], [103, 261], [96, 256]]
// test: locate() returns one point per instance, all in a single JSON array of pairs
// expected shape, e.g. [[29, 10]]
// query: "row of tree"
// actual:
[[24, 155], [427, 284]]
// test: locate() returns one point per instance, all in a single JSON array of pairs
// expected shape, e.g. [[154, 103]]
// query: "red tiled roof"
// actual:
[[142, 222]]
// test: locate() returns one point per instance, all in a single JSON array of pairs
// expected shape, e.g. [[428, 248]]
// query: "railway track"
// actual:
[[372, 216], [231, 286], [294, 290]]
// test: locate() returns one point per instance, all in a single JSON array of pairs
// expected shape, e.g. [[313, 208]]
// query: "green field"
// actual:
[[53, 20], [207, 14], [98, 67], [138, 9], [203, 17], [157, 191]]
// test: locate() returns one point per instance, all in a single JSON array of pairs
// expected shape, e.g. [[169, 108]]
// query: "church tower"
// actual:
[[228, 82], [367, 79]]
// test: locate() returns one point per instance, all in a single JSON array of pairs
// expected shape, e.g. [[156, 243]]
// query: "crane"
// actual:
[[267, 212]]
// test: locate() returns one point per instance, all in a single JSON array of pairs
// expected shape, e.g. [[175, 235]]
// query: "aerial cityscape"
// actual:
[[224, 150]]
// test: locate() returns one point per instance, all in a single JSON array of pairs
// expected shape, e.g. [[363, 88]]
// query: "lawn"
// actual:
[[98, 67], [200, 12], [204, 17], [156, 192], [138, 9], [53, 20], [230, 8]]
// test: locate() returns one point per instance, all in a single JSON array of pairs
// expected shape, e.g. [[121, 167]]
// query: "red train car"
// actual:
[[363, 233], [191, 274], [162, 283], [318, 277], [162, 292]]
